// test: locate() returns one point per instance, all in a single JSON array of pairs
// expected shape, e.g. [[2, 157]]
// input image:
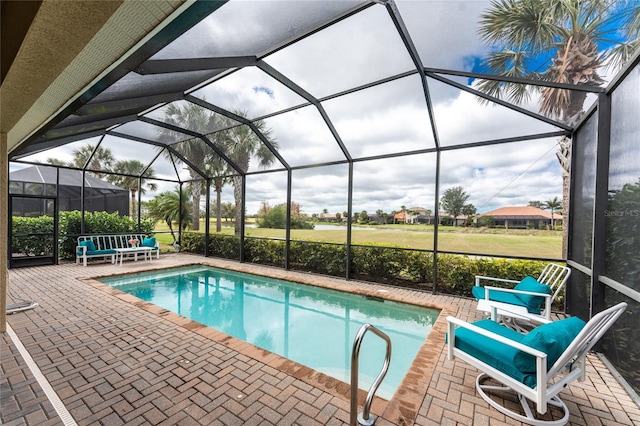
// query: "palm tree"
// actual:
[[553, 205], [101, 160], [55, 162], [523, 31], [241, 144], [217, 168], [128, 178], [196, 151], [166, 207]]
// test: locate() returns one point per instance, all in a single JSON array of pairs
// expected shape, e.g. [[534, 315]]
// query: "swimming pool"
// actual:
[[311, 325]]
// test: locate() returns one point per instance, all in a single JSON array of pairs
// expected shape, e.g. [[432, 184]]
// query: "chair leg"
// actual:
[[529, 417]]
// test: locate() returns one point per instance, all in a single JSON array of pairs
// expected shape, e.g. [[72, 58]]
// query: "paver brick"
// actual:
[[113, 359]]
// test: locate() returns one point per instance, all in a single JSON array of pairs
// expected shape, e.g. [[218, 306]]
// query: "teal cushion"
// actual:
[[149, 242], [495, 354], [552, 339], [497, 296], [88, 244], [98, 252], [532, 303]]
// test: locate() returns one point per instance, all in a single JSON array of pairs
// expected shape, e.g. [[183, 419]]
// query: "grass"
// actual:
[[525, 243]]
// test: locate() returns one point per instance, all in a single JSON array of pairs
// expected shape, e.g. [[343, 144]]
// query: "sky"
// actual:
[[383, 119]]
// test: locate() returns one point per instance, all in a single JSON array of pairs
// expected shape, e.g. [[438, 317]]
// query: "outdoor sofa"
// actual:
[[90, 246]]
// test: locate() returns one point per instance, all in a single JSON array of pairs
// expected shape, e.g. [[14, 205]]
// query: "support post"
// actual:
[[4, 226]]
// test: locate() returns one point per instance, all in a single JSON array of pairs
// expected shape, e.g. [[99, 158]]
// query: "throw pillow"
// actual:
[[552, 339]]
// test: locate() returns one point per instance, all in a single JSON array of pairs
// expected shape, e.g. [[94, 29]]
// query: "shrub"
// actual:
[[227, 246], [377, 263], [264, 251], [33, 236], [486, 221], [192, 242], [321, 258]]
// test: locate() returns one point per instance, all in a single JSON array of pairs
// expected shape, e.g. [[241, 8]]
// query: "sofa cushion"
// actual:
[[497, 296], [532, 303], [99, 252], [552, 339], [149, 242], [88, 244]]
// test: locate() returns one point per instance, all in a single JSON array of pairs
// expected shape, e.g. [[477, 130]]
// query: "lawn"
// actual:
[[525, 243]]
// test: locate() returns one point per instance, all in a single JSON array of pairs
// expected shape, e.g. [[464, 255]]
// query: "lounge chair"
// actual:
[[528, 302], [536, 366]]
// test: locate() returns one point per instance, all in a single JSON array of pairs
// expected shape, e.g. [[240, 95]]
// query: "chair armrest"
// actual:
[[547, 298], [83, 249], [511, 290], [502, 280]]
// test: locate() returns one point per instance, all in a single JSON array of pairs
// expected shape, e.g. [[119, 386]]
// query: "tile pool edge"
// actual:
[[404, 405]]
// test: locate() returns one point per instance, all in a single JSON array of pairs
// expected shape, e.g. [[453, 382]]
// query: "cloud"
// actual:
[[385, 119]]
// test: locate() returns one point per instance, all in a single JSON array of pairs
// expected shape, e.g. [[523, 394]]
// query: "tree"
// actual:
[[95, 162], [468, 210], [453, 200], [55, 162], [521, 32], [364, 217], [380, 216], [166, 207], [228, 211], [553, 205], [276, 217], [128, 177], [241, 145], [196, 151], [536, 204]]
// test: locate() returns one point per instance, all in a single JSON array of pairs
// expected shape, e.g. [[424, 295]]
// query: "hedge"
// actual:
[[388, 265], [33, 236]]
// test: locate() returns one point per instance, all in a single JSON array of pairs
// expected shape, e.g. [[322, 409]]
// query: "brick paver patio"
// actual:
[[114, 360]]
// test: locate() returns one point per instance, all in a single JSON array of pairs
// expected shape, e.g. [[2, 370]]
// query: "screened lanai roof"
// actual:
[[48, 175], [332, 81]]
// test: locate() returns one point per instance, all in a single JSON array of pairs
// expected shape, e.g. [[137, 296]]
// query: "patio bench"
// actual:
[[90, 246]]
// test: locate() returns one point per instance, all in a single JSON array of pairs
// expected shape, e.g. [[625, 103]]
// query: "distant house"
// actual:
[[522, 217], [413, 215]]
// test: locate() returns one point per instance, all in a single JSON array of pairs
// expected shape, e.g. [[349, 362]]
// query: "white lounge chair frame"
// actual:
[[549, 383], [554, 275]]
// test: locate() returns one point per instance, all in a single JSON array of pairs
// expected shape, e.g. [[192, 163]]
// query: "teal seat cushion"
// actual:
[[552, 339], [497, 296], [495, 354], [149, 242], [533, 303], [99, 252]]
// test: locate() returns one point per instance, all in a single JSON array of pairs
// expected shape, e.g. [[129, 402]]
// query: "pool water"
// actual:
[[310, 325]]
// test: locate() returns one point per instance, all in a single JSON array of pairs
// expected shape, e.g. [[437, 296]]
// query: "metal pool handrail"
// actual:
[[365, 418]]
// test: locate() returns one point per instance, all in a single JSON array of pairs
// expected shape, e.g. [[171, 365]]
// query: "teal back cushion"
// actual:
[[496, 295], [88, 244], [532, 303], [552, 339], [149, 242]]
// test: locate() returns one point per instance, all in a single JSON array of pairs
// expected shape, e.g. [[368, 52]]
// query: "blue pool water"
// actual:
[[310, 325]]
